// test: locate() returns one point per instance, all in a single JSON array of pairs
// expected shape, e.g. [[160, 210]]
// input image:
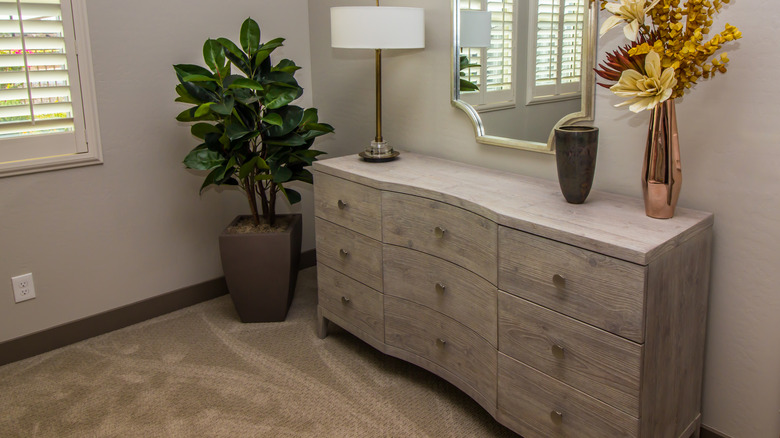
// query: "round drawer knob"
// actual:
[[559, 281], [440, 342], [343, 253], [558, 351], [439, 232], [440, 288], [345, 300], [342, 205], [556, 417]]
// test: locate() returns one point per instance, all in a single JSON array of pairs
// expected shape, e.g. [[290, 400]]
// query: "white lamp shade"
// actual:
[[474, 28], [377, 27]]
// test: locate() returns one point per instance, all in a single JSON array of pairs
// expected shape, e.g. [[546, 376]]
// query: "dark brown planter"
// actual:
[[261, 270]]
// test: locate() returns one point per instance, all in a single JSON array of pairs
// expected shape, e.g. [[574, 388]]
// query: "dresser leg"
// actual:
[[322, 324]]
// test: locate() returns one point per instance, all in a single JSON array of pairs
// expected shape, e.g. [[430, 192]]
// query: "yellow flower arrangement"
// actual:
[[676, 35]]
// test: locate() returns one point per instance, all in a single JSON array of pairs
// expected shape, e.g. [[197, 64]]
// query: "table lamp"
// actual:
[[377, 27]]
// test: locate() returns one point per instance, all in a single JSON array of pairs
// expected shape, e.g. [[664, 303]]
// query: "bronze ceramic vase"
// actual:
[[661, 170], [575, 156]]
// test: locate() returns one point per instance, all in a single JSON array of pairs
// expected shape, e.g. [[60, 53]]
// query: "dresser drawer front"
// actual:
[[352, 301], [348, 204], [442, 286], [600, 290], [350, 253], [443, 341], [530, 401], [436, 228], [596, 362]]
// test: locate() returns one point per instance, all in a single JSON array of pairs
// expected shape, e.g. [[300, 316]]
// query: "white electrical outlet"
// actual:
[[23, 287]]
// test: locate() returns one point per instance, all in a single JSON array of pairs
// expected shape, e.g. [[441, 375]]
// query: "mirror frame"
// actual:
[[587, 109]]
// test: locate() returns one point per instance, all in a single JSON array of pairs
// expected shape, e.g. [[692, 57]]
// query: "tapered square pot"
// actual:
[[261, 270]]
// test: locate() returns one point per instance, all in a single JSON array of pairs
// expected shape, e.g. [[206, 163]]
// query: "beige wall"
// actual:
[[99, 237], [729, 130]]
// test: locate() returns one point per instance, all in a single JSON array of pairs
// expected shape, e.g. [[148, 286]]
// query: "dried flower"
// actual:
[[633, 12], [648, 89], [677, 34]]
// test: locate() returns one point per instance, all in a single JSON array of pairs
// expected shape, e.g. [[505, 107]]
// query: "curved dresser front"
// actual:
[[560, 320]]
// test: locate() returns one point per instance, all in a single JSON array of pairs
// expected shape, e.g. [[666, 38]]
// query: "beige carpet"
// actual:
[[198, 372]]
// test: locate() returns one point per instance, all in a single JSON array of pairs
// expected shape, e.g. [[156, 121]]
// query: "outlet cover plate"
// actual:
[[23, 287]]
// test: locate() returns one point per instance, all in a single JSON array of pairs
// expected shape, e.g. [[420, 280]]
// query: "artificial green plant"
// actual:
[[252, 137]]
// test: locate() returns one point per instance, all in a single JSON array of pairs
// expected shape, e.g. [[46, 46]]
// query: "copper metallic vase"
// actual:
[[661, 170]]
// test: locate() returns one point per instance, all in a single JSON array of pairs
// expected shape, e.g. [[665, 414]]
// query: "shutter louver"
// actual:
[[559, 35], [35, 95], [494, 76]]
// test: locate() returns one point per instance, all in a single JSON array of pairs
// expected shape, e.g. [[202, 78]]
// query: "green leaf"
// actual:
[[188, 115], [468, 85], [262, 165], [201, 129], [250, 36], [273, 44], [286, 66], [247, 167], [282, 175], [199, 92], [246, 83], [190, 69], [209, 180], [213, 54], [203, 109], [235, 131], [304, 176], [263, 176], [292, 196], [233, 49], [273, 119], [277, 97], [288, 140], [198, 78], [203, 159], [225, 107], [184, 96], [291, 116]]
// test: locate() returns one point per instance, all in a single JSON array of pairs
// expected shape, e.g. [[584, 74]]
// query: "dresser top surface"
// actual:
[[607, 223]]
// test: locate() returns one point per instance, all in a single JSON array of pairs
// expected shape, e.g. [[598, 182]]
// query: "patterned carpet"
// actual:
[[198, 372]]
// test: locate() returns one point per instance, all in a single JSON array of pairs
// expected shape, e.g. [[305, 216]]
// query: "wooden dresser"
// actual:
[[560, 320]]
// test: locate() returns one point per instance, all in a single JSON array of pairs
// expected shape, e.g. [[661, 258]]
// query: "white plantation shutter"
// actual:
[[557, 29], [41, 112], [494, 76]]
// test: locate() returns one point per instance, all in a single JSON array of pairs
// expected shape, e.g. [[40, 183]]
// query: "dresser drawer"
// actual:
[[348, 204], [443, 341], [538, 406], [596, 362], [350, 253], [600, 290], [442, 286], [436, 228], [352, 301]]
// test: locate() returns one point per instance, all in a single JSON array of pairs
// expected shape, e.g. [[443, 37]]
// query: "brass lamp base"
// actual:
[[379, 152]]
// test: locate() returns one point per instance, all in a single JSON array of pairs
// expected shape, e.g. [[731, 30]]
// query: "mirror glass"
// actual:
[[523, 67]]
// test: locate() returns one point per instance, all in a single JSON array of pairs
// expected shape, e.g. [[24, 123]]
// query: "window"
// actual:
[[557, 29], [47, 107], [494, 75]]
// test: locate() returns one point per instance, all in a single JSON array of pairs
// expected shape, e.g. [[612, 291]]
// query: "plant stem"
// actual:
[[250, 194], [272, 206]]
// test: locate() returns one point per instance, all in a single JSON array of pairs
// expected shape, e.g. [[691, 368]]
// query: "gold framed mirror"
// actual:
[[498, 45]]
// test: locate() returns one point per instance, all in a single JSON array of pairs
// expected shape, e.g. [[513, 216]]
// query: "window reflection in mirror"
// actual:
[[531, 72]]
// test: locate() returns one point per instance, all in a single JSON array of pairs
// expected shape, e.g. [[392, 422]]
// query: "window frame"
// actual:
[[483, 100], [536, 95], [87, 149]]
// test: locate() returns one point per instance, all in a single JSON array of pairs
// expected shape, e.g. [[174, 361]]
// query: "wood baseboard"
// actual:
[[91, 326], [707, 432]]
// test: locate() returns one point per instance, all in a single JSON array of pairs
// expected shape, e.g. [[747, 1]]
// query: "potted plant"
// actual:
[[253, 138]]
